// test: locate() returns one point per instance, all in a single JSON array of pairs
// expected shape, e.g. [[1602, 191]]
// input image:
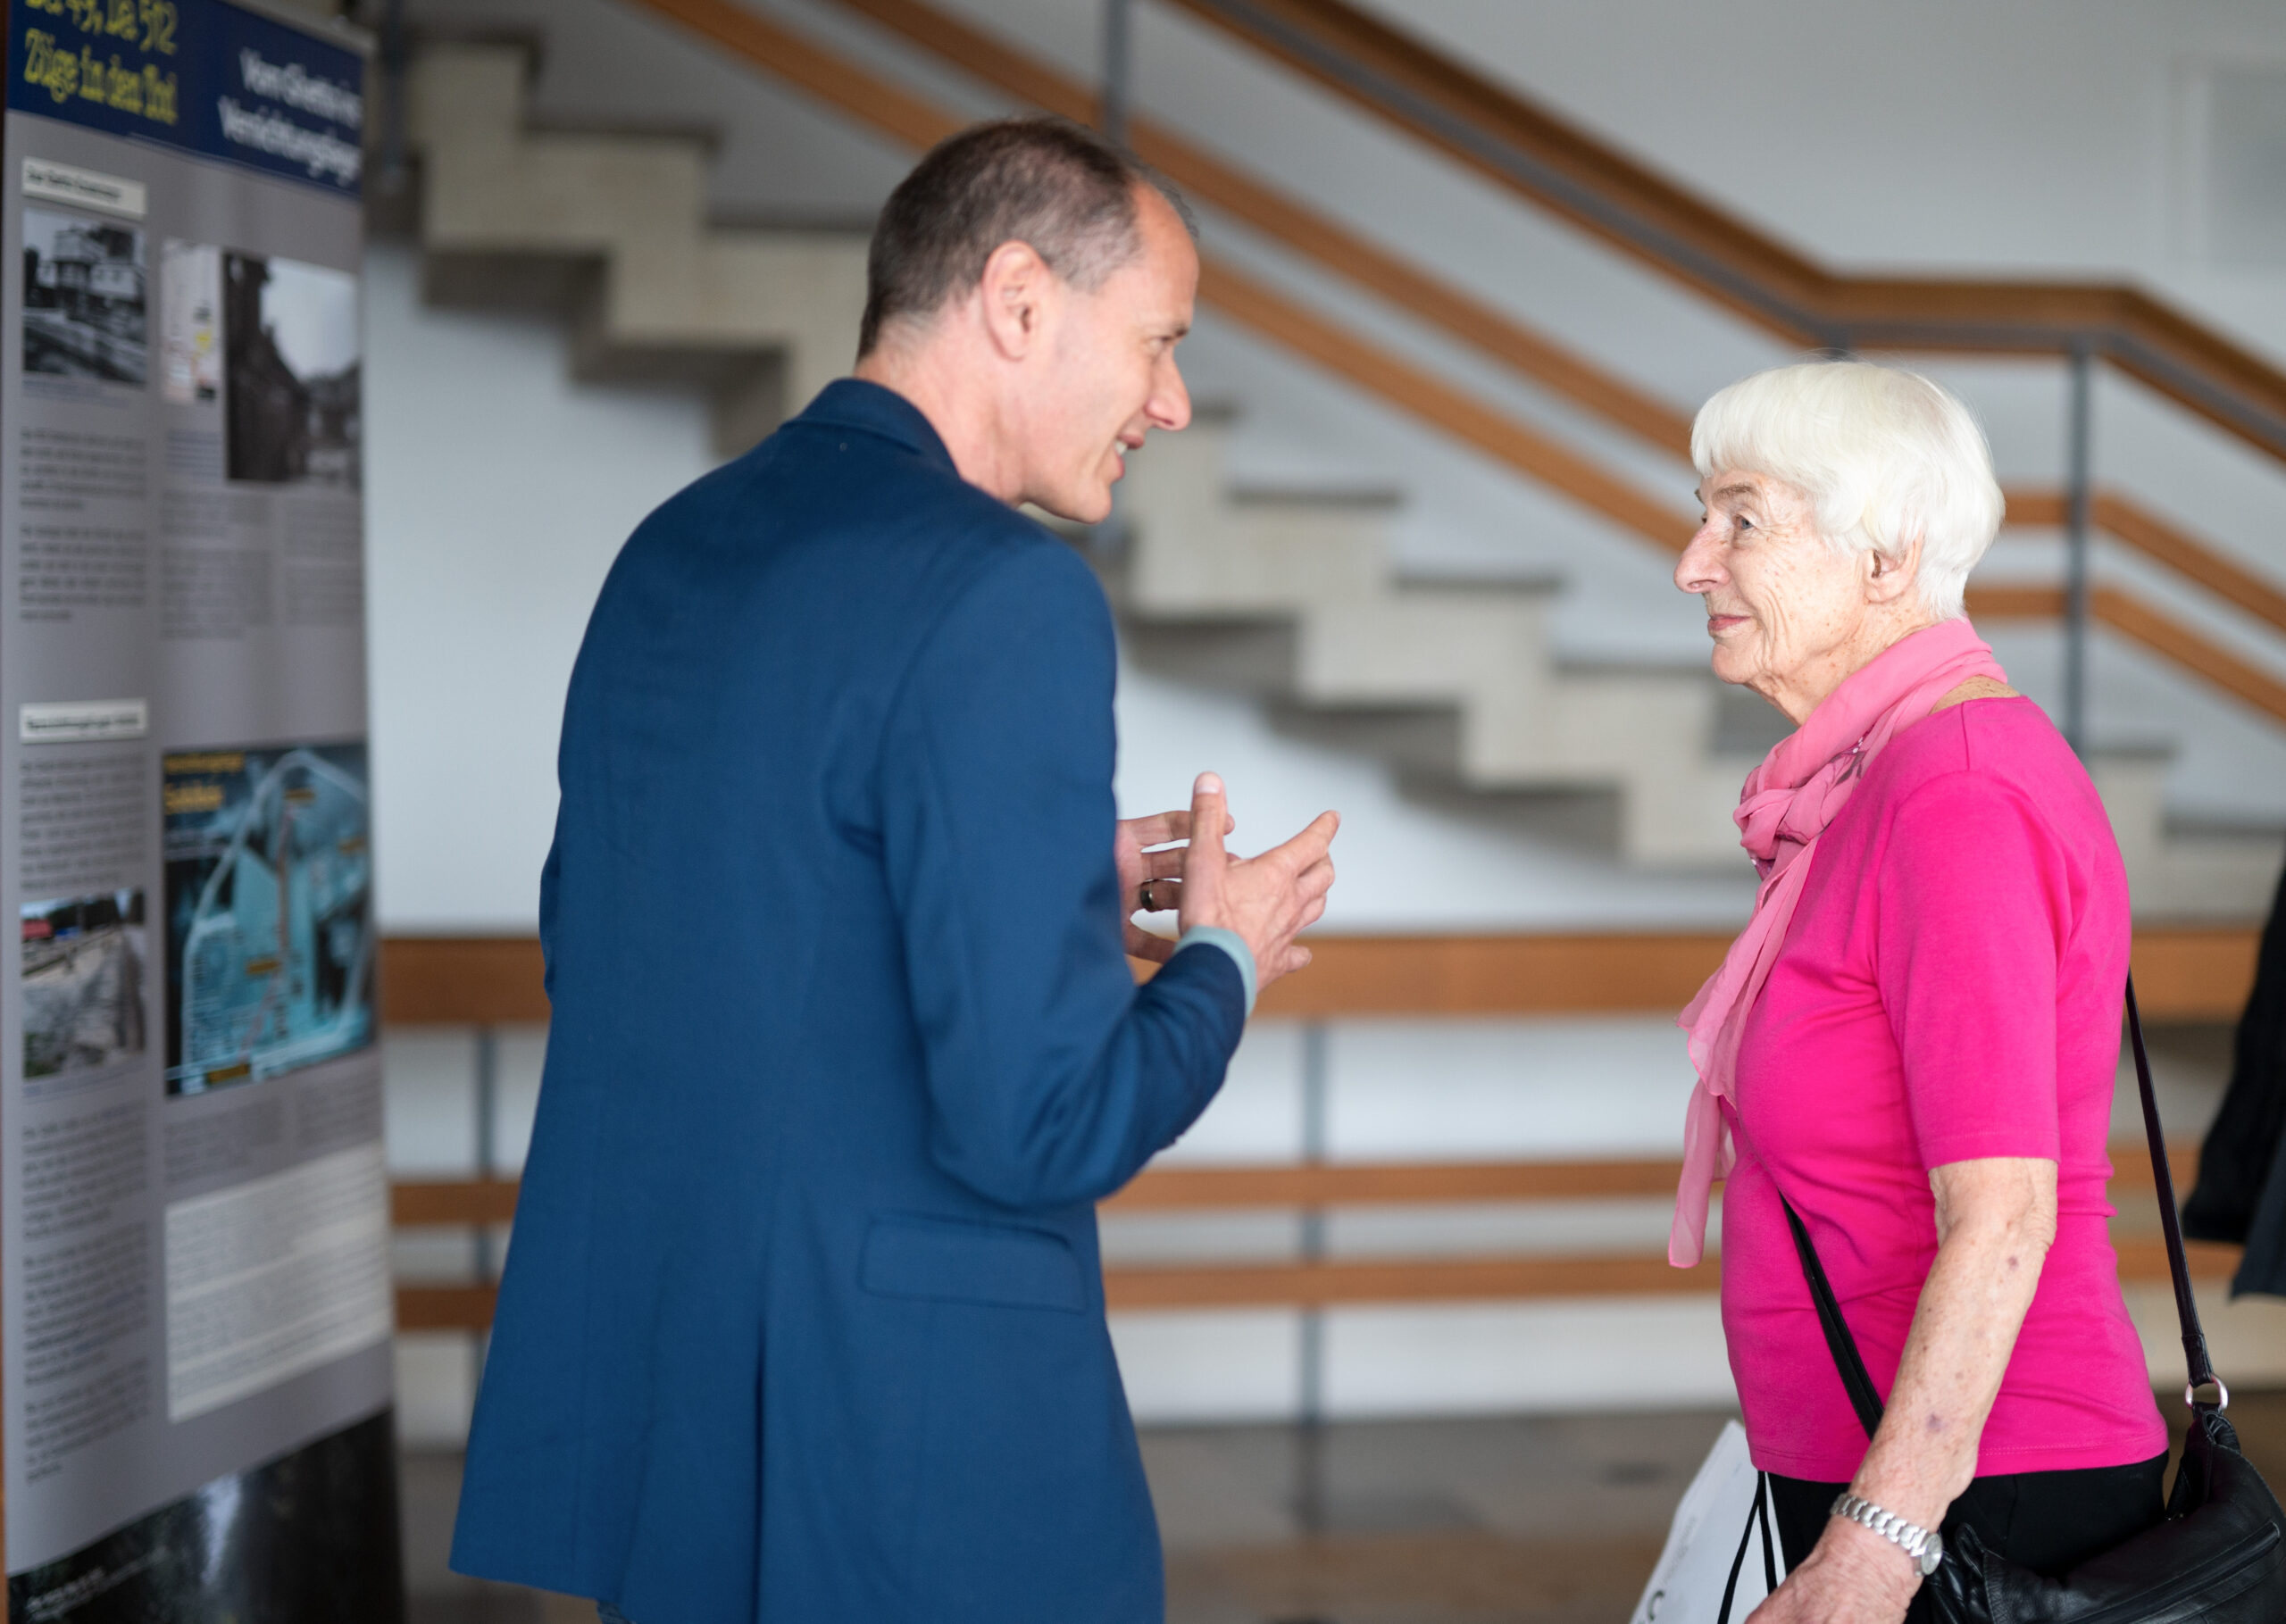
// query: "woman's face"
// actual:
[[1791, 615]]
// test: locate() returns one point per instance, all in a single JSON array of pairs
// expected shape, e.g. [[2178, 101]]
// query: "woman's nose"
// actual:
[[1699, 568]]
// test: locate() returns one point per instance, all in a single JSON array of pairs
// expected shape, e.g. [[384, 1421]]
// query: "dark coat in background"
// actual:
[[804, 1318], [2241, 1196]]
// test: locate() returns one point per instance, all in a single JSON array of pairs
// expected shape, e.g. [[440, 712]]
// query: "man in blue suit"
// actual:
[[803, 1321]]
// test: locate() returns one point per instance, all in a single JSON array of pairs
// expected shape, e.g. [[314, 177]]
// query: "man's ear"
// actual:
[[1888, 577], [1016, 288]]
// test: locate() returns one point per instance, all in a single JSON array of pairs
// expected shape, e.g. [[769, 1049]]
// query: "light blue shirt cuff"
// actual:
[[1230, 942]]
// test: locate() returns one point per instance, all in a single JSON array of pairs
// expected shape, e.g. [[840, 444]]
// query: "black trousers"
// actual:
[[2050, 1522]]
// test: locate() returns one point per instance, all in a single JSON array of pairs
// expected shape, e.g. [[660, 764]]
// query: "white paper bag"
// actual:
[[1687, 1586]]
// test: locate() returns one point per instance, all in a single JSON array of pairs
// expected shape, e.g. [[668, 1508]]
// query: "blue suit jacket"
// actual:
[[803, 1320]]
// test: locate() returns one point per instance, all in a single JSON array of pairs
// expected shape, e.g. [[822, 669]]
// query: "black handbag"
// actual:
[[2218, 1558]]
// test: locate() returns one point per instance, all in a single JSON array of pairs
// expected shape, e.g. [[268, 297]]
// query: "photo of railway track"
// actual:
[[84, 962]]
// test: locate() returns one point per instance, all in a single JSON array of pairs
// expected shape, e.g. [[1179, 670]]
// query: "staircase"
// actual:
[[1471, 663], [766, 317], [1292, 597]]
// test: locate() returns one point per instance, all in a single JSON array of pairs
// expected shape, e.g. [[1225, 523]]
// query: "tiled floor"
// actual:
[[1545, 1520], [1475, 1521]]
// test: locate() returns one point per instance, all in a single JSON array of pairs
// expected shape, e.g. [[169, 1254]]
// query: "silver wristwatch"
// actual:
[[1922, 1545]]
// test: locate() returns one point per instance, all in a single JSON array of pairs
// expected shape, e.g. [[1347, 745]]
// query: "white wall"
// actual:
[[498, 494]]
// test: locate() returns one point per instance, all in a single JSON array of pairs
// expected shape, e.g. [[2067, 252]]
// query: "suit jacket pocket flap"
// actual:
[[963, 1262]]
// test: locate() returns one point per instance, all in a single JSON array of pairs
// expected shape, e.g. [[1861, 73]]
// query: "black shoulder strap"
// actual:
[[2194, 1339], [1866, 1399]]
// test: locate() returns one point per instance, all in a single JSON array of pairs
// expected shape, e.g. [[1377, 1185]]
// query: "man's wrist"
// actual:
[[1228, 941]]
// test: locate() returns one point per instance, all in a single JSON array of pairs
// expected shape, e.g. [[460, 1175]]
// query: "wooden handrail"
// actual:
[[1186, 1187], [1560, 167], [2153, 629], [445, 1308], [895, 112], [2164, 635], [1327, 1282], [2181, 973], [1380, 370], [1318, 238], [1192, 1188], [833, 79], [1131, 1287], [416, 1203], [1531, 1276], [1496, 1278], [1243, 1186], [463, 980], [2159, 540]]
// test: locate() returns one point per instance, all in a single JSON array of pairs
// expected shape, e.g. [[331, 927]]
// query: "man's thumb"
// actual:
[[1208, 814]]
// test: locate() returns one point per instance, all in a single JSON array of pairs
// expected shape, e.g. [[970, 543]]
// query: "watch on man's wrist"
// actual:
[[1922, 1545]]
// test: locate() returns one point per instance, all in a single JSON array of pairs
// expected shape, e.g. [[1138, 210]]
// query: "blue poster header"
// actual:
[[201, 75]]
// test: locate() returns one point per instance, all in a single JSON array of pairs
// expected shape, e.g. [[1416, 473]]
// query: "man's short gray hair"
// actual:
[[1884, 455], [1043, 180]]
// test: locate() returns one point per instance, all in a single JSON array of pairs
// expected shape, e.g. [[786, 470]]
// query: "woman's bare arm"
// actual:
[[1995, 1220]]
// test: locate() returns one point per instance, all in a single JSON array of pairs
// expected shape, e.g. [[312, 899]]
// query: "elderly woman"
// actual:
[[1914, 1040]]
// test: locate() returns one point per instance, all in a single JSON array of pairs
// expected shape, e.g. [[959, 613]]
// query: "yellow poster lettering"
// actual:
[[63, 72], [158, 96], [126, 87], [55, 71], [158, 17]]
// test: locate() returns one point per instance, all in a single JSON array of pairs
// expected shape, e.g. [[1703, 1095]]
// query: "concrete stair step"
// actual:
[[766, 317]]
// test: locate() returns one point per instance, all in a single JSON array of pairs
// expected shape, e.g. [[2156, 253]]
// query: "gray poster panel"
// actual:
[[193, 1205]]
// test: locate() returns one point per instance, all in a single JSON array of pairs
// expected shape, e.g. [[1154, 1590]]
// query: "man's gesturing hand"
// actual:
[[1160, 870], [1268, 899]]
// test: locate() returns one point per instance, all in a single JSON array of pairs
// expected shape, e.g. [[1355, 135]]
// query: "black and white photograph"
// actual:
[[83, 963], [291, 366], [86, 313]]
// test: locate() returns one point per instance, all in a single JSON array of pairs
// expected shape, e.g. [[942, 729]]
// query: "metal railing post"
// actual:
[[1309, 1489], [393, 59], [487, 1163], [2075, 543], [1119, 69]]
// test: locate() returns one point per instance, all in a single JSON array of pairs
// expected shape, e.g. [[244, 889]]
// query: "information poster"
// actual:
[[194, 1303]]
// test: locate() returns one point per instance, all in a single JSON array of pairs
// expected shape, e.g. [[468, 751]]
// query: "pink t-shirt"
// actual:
[[1949, 988]]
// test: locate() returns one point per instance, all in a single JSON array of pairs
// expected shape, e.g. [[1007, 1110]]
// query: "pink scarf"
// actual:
[[1788, 802]]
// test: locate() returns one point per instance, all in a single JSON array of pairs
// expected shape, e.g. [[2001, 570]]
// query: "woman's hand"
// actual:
[[1853, 1577], [1160, 870]]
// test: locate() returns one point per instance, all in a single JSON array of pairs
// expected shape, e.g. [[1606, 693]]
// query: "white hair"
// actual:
[[1885, 456]]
